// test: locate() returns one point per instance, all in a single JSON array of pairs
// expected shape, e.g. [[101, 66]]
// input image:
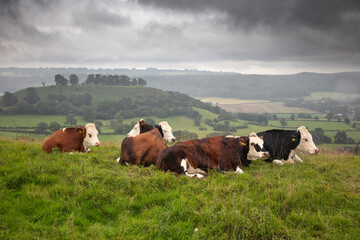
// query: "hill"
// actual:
[[90, 196], [199, 83]]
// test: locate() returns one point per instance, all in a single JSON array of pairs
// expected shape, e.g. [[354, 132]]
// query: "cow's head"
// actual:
[[256, 148], [136, 129], [166, 129], [91, 138], [306, 144]]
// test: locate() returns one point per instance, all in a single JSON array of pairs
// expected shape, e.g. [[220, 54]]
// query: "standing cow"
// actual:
[[73, 139], [226, 153], [284, 145], [144, 148]]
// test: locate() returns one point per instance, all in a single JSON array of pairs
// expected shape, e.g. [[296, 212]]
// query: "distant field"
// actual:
[[325, 125], [333, 95], [254, 106], [266, 107]]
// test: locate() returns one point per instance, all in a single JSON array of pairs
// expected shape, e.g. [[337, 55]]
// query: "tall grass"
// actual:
[[90, 196]]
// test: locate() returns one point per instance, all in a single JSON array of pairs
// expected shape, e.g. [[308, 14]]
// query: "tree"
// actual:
[[340, 137], [88, 114], [90, 79], [9, 99], [60, 80], [43, 83], [316, 118], [141, 82], [54, 126], [41, 127], [31, 96], [70, 119], [329, 116], [292, 117], [150, 121], [347, 120], [134, 82], [197, 123], [283, 122], [87, 99], [274, 117], [74, 80]]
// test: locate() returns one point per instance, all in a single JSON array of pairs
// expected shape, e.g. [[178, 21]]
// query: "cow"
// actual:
[[226, 153], [73, 139], [143, 149], [284, 145]]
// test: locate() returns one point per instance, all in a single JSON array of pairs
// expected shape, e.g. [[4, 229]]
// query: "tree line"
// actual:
[[98, 79]]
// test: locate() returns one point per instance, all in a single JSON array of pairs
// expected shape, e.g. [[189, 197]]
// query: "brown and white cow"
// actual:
[[73, 139], [144, 148], [226, 153]]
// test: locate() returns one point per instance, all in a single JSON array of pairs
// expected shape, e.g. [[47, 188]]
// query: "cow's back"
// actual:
[[142, 149], [207, 153], [66, 140]]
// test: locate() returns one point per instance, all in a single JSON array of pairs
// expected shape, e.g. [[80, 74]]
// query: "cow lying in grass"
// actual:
[[73, 139], [226, 153], [143, 148], [284, 145]]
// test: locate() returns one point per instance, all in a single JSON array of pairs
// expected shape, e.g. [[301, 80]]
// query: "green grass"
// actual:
[[90, 196], [333, 95], [325, 125]]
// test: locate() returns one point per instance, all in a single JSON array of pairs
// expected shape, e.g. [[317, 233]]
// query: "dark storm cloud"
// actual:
[[336, 19]]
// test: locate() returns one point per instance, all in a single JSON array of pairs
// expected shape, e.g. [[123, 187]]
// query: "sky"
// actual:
[[245, 36]]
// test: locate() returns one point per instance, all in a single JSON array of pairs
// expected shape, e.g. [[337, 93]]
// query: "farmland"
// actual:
[[90, 196]]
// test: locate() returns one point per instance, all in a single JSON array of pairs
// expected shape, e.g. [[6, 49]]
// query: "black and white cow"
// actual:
[[284, 145]]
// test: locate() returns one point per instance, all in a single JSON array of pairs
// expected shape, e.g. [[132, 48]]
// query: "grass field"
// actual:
[[333, 95], [90, 196], [254, 106]]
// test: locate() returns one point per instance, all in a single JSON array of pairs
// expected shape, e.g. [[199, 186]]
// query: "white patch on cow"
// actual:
[[64, 129], [306, 144], [91, 138], [118, 160], [231, 136], [168, 136], [135, 131], [183, 164], [298, 159], [253, 154], [278, 162], [239, 170]]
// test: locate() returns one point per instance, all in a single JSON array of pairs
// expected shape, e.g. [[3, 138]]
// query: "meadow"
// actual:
[[90, 196]]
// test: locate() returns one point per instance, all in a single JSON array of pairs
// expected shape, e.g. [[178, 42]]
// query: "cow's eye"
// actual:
[[305, 140], [90, 135]]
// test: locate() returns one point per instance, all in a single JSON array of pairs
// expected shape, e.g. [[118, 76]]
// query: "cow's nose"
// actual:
[[317, 151], [97, 144], [265, 155], [173, 140]]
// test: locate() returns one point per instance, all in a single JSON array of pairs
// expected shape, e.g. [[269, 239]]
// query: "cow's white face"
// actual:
[[256, 148], [168, 136], [91, 138], [306, 144], [135, 131]]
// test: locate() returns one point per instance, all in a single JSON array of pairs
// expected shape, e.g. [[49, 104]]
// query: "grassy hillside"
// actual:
[[98, 93], [90, 196]]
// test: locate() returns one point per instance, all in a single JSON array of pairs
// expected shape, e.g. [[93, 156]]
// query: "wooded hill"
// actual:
[[198, 83]]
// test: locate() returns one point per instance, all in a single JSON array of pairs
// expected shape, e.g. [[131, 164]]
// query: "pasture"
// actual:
[[254, 106], [90, 196]]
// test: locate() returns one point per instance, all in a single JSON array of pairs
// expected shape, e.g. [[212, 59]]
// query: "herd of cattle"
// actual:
[[144, 145]]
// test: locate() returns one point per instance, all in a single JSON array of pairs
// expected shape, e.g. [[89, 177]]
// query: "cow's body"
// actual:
[[284, 145], [73, 139], [146, 144], [142, 149], [195, 157]]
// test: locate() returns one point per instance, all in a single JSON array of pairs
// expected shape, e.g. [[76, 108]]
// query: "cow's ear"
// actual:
[[244, 141], [262, 137], [293, 138], [80, 130], [142, 122]]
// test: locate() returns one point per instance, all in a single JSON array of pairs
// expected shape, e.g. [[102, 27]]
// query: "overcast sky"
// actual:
[[246, 36]]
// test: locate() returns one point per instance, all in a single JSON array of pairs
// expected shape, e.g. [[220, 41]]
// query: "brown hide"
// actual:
[[142, 149], [67, 141], [225, 154]]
